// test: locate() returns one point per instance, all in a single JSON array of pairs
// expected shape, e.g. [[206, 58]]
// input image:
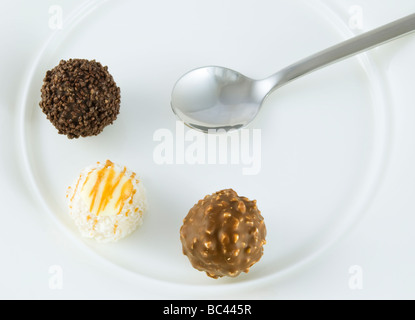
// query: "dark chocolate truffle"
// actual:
[[223, 234], [80, 97]]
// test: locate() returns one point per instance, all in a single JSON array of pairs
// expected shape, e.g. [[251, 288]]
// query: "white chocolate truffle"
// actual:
[[107, 202]]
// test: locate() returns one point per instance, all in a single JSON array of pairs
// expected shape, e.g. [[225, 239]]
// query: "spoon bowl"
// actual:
[[215, 98]]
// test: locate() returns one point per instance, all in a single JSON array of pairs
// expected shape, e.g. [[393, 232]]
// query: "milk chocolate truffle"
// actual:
[[223, 234], [80, 97]]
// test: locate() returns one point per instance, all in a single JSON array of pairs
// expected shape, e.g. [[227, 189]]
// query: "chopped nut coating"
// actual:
[[230, 233]]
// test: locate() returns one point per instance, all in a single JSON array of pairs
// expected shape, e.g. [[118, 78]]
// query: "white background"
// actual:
[[382, 244]]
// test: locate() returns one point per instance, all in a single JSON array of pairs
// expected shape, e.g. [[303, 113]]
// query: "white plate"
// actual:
[[323, 137]]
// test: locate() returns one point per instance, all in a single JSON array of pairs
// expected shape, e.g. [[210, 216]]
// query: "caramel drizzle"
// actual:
[[76, 188], [109, 187], [125, 194]]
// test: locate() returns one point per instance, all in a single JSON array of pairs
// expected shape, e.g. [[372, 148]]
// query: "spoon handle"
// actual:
[[341, 51]]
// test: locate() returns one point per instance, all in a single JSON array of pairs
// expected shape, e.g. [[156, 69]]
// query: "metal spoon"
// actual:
[[220, 98]]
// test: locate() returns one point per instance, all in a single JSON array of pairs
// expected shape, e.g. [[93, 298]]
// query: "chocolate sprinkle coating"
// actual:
[[80, 97], [223, 234]]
